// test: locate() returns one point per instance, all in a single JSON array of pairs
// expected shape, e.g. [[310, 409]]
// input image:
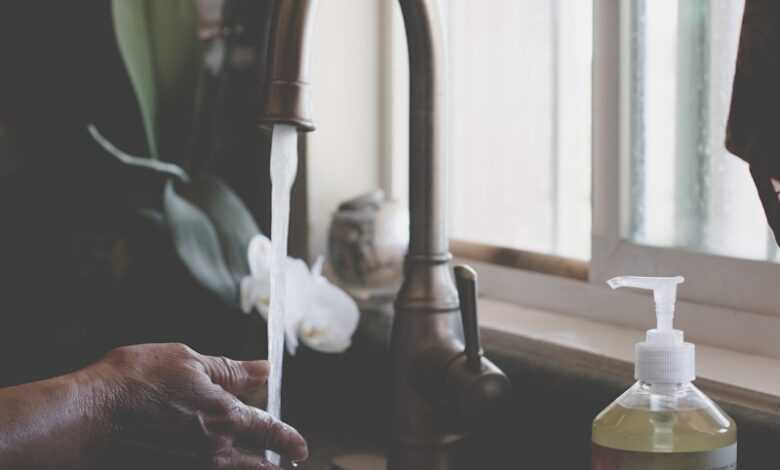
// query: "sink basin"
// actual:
[[360, 462], [329, 452]]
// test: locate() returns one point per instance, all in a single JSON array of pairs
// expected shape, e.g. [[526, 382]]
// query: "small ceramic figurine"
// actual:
[[367, 242]]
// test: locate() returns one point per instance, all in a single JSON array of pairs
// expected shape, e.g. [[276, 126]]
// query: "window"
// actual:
[[686, 190], [668, 198], [593, 132]]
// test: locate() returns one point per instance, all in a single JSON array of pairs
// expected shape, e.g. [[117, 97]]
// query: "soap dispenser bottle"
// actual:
[[663, 422]]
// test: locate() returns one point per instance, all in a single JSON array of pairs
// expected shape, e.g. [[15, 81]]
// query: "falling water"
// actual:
[[284, 164]]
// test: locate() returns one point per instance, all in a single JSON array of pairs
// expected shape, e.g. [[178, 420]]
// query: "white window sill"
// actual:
[[737, 377]]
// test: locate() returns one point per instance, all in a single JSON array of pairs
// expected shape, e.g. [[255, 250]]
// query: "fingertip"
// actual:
[[264, 432], [290, 443], [299, 450]]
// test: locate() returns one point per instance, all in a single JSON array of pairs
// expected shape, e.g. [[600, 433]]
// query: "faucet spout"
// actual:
[[288, 97]]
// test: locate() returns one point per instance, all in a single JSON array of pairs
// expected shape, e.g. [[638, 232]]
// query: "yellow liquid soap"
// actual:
[[647, 431], [664, 427]]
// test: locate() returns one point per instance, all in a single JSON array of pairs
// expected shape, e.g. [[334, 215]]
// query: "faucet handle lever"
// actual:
[[466, 282]]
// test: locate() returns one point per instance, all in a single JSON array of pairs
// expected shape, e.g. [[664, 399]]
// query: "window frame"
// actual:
[[726, 302]]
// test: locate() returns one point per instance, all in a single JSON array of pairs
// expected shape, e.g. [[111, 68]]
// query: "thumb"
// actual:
[[236, 377]]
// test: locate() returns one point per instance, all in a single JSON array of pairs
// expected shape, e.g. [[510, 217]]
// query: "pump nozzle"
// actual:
[[664, 293], [663, 357]]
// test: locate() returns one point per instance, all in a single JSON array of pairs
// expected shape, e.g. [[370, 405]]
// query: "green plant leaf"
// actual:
[[141, 180], [209, 225], [162, 168], [197, 245], [232, 221], [159, 45], [211, 230]]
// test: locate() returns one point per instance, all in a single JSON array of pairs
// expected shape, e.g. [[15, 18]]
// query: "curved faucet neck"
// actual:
[[427, 128]]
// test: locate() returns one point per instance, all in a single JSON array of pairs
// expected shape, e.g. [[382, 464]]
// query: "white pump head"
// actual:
[[663, 357]]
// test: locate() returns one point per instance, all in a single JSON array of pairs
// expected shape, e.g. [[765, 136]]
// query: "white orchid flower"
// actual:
[[318, 313]]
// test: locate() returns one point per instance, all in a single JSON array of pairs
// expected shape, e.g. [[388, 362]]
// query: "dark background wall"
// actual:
[[81, 270]]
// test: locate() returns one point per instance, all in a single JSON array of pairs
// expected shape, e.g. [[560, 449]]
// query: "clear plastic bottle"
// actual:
[[663, 422]]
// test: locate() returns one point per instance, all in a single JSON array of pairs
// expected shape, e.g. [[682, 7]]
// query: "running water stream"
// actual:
[[284, 165]]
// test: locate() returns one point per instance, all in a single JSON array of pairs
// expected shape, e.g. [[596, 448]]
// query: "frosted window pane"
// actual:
[[686, 190], [520, 124]]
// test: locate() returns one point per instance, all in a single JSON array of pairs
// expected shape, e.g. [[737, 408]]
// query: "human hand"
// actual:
[[171, 399]]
